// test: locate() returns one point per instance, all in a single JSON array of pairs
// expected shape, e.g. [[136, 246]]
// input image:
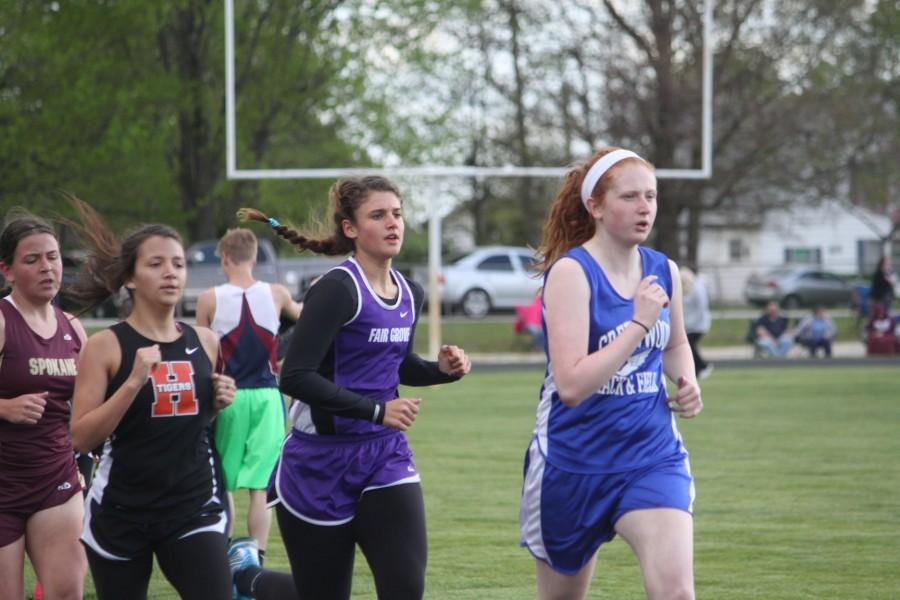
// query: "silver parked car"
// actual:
[[793, 287], [488, 278]]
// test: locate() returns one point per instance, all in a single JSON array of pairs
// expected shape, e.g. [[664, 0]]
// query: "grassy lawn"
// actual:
[[798, 489], [497, 335]]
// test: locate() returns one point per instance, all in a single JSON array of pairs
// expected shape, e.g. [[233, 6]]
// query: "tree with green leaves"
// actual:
[[123, 103]]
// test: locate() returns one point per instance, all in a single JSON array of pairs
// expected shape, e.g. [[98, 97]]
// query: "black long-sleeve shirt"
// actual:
[[308, 370]]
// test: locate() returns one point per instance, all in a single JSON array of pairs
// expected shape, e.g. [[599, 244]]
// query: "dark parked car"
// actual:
[[793, 287]]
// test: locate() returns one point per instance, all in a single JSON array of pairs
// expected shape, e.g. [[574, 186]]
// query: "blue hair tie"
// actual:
[[274, 222]]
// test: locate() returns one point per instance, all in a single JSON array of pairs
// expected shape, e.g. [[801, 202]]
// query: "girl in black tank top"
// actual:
[[152, 467], [147, 393]]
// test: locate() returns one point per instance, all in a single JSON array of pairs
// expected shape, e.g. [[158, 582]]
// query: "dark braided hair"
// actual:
[[345, 195]]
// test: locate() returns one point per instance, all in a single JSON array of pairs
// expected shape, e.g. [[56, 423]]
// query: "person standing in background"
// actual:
[[245, 314], [697, 319], [883, 280]]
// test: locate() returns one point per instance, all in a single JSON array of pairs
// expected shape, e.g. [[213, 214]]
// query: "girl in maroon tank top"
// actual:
[[40, 500], [147, 392]]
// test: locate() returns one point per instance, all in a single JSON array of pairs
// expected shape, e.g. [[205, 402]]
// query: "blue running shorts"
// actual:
[[565, 517]]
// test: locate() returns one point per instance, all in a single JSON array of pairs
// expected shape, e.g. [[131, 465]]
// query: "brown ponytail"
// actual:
[[345, 195], [109, 263], [298, 240]]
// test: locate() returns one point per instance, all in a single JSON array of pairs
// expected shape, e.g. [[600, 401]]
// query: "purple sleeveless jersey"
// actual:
[[368, 350], [320, 478]]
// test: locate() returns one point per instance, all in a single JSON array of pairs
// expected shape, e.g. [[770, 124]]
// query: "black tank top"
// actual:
[[159, 458]]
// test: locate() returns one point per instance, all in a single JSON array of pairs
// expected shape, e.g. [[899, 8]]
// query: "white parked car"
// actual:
[[490, 277]]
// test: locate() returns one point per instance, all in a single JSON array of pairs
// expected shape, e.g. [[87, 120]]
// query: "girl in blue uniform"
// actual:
[[146, 391], [606, 446], [346, 474]]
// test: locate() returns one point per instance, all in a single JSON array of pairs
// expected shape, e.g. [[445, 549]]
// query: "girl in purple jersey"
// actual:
[[147, 392], [605, 446], [41, 505], [346, 474]]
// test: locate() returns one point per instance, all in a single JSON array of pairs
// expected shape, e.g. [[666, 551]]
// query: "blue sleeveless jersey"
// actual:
[[626, 424]]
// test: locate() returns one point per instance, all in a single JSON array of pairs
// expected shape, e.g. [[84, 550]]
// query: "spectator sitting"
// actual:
[[881, 335], [530, 321], [816, 331], [772, 336]]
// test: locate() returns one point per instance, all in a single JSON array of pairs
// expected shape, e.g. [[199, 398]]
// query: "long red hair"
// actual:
[[569, 223]]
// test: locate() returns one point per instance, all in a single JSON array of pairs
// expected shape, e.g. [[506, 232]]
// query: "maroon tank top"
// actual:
[[32, 364]]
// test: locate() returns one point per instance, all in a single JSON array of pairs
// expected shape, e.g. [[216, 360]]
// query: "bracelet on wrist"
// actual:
[[636, 322]]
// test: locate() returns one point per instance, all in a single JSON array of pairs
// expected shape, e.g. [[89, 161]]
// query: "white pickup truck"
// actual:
[[204, 270]]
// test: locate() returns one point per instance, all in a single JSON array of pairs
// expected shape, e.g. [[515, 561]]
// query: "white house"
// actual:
[[838, 237]]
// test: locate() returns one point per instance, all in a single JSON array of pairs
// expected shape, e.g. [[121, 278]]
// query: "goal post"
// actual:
[[234, 172]]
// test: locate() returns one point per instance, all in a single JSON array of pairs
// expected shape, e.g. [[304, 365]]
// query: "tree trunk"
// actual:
[[197, 161], [524, 187]]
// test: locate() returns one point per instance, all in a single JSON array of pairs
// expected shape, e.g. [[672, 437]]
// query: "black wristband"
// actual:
[[378, 414], [647, 329]]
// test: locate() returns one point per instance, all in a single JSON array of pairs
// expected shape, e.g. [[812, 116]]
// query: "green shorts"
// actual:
[[249, 434]]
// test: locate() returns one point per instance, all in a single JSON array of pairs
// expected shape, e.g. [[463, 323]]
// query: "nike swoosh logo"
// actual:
[[191, 350], [403, 314]]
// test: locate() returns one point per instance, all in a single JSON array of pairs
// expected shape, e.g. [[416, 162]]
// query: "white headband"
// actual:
[[599, 168]]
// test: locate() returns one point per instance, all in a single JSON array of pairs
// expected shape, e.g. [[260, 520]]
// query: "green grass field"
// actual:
[[798, 488], [497, 335]]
